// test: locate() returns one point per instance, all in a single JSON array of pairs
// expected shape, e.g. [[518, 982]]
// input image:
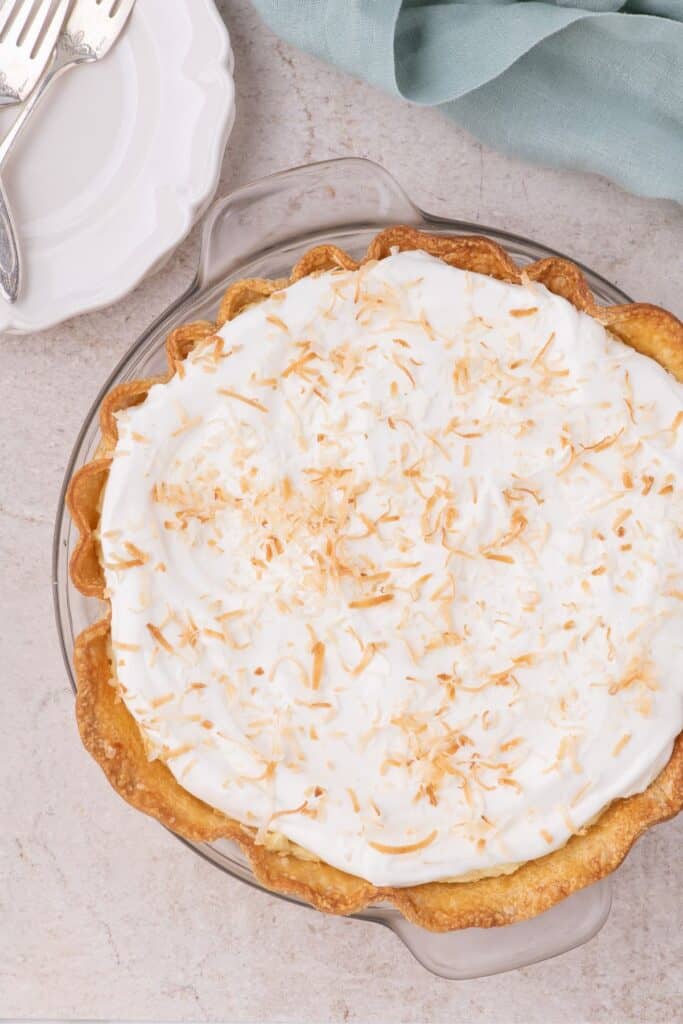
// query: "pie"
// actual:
[[391, 564]]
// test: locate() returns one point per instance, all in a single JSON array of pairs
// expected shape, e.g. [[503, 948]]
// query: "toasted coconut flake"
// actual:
[[573, 455], [512, 784], [214, 634], [242, 398], [637, 672], [293, 810], [318, 663], [415, 590], [495, 557], [119, 564], [523, 312], [135, 551], [514, 492], [278, 322], [438, 445], [407, 848], [580, 794], [371, 602], [539, 355], [169, 755], [461, 376], [303, 674], [369, 651], [676, 423], [227, 616], [568, 822], [451, 428], [404, 369], [187, 425], [157, 635], [605, 442], [446, 592], [620, 520], [511, 744], [299, 365], [267, 773], [621, 744]]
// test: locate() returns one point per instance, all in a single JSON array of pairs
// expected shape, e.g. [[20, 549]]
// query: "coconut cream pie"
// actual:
[[392, 564]]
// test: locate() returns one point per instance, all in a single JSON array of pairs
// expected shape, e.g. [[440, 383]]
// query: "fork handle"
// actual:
[[53, 71], [10, 265]]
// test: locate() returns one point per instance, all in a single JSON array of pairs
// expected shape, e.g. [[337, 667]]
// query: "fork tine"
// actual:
[[51, 23], [122, 14], [7, 10], [39, 23], [106, 6], [19, 22]]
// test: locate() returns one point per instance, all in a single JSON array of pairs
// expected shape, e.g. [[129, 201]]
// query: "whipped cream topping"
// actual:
[[395, 570]]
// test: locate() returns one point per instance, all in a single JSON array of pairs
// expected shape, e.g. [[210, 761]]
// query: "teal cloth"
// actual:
[[590, 84]]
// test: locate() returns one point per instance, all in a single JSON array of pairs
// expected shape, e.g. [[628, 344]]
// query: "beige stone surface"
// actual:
[[102, 913]]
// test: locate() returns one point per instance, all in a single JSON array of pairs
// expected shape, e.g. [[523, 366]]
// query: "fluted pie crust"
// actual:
[[112, 737]]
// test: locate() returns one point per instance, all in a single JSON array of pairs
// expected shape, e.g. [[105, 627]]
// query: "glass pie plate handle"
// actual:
[[261, 230], [471, 952]]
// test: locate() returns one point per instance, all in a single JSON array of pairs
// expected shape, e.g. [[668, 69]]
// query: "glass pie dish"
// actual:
[[260, 231]]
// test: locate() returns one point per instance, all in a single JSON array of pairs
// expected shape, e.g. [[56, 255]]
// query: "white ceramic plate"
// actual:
[[119, 162]]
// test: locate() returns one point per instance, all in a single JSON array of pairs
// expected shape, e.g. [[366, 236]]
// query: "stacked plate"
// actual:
[[120, 161]]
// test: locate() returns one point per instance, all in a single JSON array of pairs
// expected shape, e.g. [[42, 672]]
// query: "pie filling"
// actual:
[[394, 563]]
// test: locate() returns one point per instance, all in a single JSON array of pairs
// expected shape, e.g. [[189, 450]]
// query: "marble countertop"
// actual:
[[103, 914]]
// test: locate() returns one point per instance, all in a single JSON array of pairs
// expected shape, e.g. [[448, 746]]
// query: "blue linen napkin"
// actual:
[[590, 84]]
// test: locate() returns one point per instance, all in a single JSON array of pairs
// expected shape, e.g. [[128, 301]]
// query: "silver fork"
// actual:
[[27, 38], [90, 32]]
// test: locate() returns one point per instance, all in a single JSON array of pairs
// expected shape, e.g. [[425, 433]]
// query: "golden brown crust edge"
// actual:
[[111, 735]]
